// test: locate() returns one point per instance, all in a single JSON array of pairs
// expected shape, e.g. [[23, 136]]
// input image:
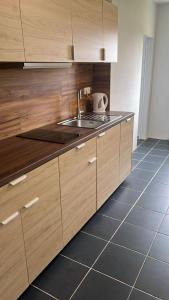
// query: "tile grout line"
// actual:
[[140, 161], [44, 292], [147, 255], [117, 228]]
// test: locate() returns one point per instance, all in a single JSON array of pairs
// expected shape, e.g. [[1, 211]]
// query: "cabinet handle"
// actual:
[[73, 52], [29, 204], [91, 161], [12, 217], [103, 54], [101, 134], [128, 120], [80, 146], [18, 180]]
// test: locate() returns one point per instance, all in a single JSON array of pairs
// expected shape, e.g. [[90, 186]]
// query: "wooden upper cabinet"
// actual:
[[110, 29], [11, 40], [126, 146], [87, 30], [47, 30], [78, 187], [13, 270], [108, 152]]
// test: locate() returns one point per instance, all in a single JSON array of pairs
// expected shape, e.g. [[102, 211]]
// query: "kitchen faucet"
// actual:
[[80, 93]]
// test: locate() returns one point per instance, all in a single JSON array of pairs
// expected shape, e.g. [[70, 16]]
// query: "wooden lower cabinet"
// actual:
[[13, 270], [41, 220], [108, 146], [78, 187], [126, 145]]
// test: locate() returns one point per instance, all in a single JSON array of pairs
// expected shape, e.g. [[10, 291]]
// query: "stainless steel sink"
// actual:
[[90, 120], [82, 123]]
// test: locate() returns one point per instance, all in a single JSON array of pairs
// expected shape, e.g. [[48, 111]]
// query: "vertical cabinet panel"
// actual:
[[87, 30], [47, 30], [41, 219], [78, 187], [110, 28], [11, 40], [126, 144], [13, 271], [108, 146]]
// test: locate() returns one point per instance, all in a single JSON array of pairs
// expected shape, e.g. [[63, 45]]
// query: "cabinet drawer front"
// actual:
[[126, 144], [78, 188], [41, 220], [108, 151], [13, 271], [16, 194]]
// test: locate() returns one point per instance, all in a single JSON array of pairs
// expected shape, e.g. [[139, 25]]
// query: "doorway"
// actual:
[[145, 93]]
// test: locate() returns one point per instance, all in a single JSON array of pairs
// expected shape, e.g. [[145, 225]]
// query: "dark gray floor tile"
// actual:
[[135, 162], [142, 174], [34, 294], [164, 142], [141, 149], [126, 195], [162, 147], [101, 226], [84, 248], [164, 228], [154, 159], [161, 178], [138, 156], [120, 263], [61, 278], [159, 152], [145, 218], [138, 295], [144, 165], [158, 189], [134, 237], [165, 168], [154, 279], [134, 183], [160, 248], [115, 209], [98, 287], [154, 202]]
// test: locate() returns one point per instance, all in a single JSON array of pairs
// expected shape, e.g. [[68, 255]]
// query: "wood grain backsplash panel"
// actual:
[[34, 98]]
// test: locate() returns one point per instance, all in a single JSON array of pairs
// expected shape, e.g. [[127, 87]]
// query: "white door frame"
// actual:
[[145, 93]]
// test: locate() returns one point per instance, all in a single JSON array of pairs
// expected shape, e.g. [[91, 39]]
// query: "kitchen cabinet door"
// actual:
[[87, 27], [47, 30], [78, 187], [108, 152], [41, 219], [13, 270], [11, 40], [126, 145], [110, 29]]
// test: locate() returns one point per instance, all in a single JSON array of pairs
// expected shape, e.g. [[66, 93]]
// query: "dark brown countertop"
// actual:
[[19, 155]]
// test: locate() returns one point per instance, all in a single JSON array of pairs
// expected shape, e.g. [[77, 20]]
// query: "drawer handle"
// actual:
[[12, 217], [91, 161], [31, 203], [128, 120], [81, 146], [101, 134], [18, 180]]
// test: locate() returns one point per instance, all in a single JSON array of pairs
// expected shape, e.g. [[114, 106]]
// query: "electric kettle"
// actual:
[[100, 102]]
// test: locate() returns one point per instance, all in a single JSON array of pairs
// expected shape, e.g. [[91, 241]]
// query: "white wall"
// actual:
[[159, 109], [136, 19]]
